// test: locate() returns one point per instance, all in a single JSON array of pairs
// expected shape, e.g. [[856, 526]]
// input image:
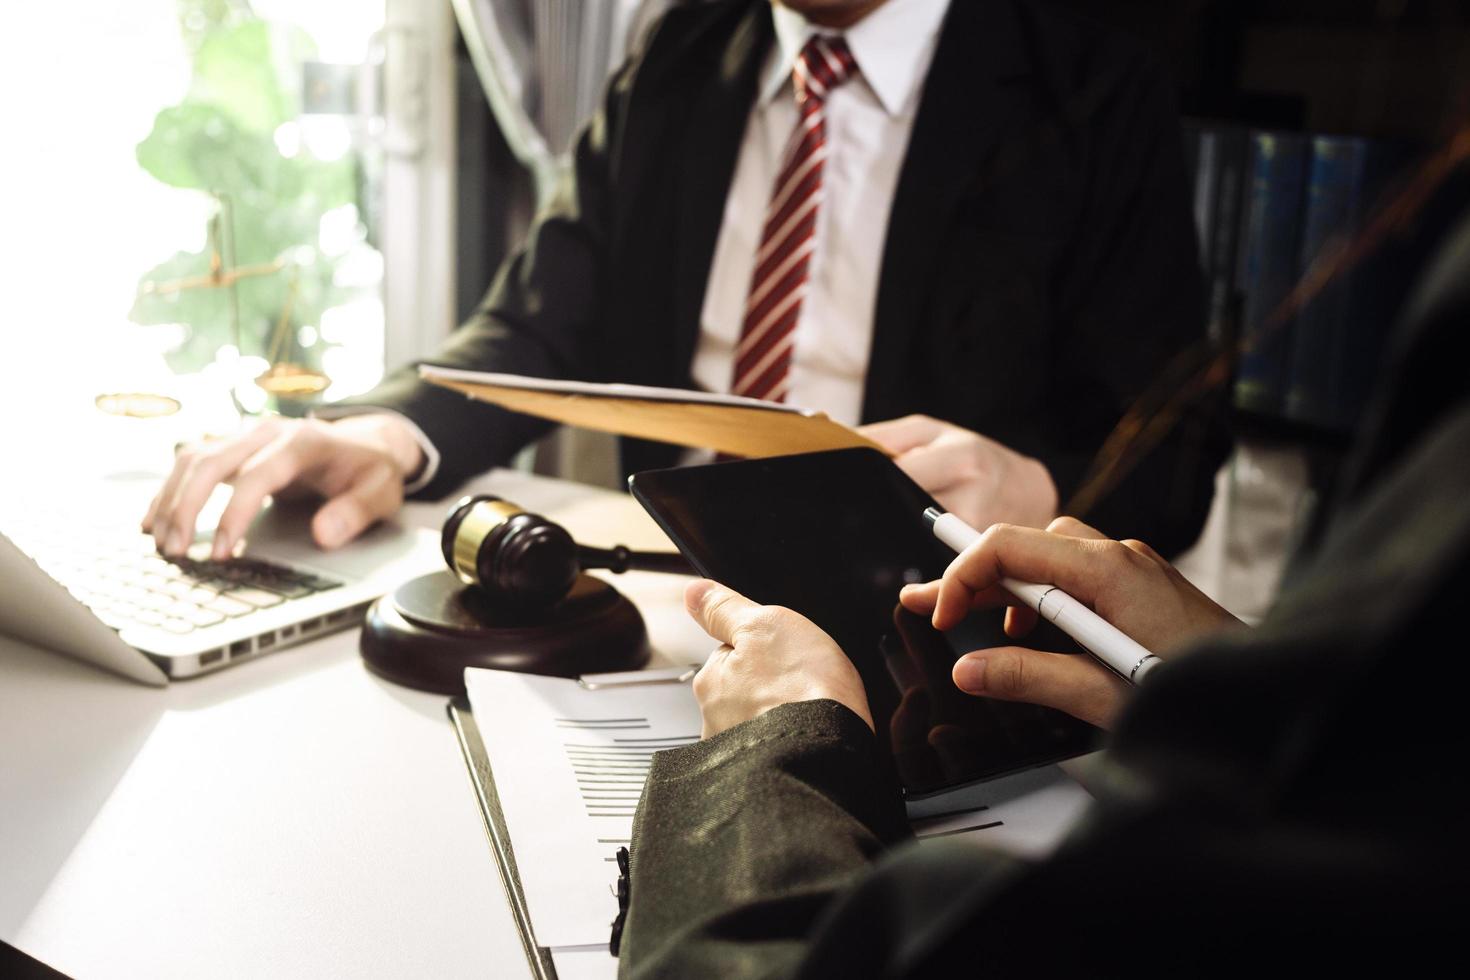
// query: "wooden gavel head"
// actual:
[[513, 556], [523, 560]]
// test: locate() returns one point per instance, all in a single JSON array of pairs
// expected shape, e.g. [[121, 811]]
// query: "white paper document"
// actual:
[[1026, 814], [584, 963], [569, 766]]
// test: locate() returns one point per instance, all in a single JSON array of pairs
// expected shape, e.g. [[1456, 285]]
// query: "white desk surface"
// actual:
[[291, 817]]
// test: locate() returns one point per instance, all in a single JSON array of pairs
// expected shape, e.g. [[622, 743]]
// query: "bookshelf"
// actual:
[[1378, 74], [1383, 78]]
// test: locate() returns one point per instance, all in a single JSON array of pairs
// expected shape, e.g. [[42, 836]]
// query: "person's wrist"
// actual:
[[390, 434], [1043, 494]]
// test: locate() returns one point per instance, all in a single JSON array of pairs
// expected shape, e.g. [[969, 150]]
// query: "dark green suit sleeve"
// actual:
[[751, 834]]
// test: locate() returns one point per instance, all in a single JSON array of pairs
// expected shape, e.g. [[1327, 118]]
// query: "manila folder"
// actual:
[[700, 420]]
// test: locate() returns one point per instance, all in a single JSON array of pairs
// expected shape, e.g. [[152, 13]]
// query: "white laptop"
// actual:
[[81, 579]]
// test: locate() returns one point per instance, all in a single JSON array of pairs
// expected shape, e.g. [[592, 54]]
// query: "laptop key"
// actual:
[[180, 609], [112, 619], [159, 566], [201, 617], [203, 595], [229, 607], [179, 588], [125, 573], [259, 598], [154, 600], [287, 590], [178, 626]]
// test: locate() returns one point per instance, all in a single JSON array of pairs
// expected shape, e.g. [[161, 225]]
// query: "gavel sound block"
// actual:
[[514, 598], [428, 631]]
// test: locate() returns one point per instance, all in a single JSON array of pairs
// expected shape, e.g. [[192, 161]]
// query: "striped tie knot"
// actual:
[[824, 63], [778, 284]]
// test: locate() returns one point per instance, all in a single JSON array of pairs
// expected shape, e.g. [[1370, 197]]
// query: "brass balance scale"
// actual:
[[282, 378]]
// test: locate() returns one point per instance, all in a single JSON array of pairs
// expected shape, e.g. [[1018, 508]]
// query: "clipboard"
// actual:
[[571, 889], [473, 747]]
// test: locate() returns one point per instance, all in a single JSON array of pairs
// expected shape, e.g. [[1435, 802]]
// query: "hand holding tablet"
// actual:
[[834, 536]]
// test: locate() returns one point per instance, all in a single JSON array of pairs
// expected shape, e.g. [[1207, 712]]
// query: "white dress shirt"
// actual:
[[868, 119]]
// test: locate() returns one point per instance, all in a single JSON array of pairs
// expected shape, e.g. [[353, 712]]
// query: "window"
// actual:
[[192, 193]]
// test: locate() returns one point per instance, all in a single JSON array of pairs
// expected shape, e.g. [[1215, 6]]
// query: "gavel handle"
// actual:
[[619, 559]]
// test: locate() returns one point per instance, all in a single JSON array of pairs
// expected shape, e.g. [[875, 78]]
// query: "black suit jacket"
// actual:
[[1038, 272], [1287, 797]]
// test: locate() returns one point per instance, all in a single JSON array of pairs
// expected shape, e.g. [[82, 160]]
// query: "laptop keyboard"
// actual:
[[120, 576]]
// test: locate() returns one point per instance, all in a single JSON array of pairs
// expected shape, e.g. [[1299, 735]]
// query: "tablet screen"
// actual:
[[834, 536]]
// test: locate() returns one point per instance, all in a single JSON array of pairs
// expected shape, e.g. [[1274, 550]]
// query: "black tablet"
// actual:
[[834, 535]]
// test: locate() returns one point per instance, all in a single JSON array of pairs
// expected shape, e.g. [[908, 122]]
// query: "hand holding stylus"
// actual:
[[1110, 645], [1127, 604]]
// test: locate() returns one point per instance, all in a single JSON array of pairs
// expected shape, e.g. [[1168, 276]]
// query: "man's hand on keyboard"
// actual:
[[357, 463]]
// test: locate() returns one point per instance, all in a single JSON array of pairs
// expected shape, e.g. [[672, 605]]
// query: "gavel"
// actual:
[[517, 558]]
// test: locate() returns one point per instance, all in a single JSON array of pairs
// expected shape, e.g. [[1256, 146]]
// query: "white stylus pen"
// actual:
[[1117, 651]]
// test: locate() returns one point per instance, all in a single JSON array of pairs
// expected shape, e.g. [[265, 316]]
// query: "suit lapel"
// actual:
[[717, 123], [954, 129]]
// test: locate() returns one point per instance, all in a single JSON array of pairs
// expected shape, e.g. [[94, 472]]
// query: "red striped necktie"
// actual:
[[779, 282]]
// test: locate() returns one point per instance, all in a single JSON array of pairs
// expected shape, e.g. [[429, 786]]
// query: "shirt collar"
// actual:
[[892, 46]]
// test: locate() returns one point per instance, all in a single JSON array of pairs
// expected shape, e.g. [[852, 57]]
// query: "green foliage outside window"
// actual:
[[220, 140]]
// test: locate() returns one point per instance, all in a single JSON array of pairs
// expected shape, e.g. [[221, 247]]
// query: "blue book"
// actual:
[[1333, 215], [1339, 334], [1270, 250]]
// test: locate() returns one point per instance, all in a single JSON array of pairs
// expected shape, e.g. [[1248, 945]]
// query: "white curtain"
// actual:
[[544, 64]]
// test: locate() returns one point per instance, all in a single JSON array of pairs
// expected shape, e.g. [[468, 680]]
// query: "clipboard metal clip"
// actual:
[[634, 678]]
